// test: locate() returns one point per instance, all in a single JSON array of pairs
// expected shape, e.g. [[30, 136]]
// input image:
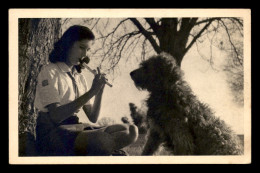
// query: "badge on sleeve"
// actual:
[[45, 83]]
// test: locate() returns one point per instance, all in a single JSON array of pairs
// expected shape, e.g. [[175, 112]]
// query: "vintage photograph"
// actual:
[[112, 86]]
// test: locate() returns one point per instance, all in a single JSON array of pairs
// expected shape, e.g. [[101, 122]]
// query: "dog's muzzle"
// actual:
[[132, 74], [135, 77], [138, 78]]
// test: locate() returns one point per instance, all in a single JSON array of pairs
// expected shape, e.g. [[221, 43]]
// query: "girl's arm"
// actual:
[[59, 113], [92, 112]]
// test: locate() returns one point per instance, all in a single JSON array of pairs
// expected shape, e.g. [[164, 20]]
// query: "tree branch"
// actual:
[[238, 24], [116, 48], [198, 35], [146, 34], [206, 20], [114, 30], [193, 22], [133, 44], [154, 25], [95, 24], [232, 44], [238, 21], [184, 23]]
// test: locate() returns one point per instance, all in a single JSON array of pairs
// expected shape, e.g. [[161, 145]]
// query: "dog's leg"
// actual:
[[153, 142], [183, 140]]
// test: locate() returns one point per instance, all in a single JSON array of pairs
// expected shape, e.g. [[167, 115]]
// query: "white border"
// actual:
[[14, 14]]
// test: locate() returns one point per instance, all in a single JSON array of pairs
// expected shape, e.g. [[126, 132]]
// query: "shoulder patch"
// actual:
[[45, 83]]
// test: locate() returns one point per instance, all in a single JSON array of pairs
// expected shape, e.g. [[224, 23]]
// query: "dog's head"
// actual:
[[156, 72]]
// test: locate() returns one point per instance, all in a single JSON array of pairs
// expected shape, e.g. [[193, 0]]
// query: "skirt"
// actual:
[[58, 139]]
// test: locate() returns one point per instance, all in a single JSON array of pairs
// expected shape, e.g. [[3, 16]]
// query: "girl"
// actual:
[[62, 91]]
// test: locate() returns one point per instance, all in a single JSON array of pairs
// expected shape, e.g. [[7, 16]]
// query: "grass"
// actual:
[[136, 148]]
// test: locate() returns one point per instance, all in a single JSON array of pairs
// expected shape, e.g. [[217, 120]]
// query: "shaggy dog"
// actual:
[[176, 117]]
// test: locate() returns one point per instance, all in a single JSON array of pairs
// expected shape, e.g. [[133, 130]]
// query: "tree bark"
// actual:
[[171, 40], [174, 41], [36, 40]]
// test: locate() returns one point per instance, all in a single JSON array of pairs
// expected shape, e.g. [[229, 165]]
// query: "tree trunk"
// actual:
[[36, 40], [174, 41], [175, 46]]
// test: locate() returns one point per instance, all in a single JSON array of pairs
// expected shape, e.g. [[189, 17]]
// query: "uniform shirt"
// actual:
[[55, 86]]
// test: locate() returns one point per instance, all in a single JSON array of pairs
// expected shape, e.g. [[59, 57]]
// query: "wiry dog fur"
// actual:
[[176, 117]]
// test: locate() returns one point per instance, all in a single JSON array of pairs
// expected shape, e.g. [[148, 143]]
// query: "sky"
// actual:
[[207, 84]]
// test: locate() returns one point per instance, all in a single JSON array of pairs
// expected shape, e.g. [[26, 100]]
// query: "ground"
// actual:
[[136, 148]]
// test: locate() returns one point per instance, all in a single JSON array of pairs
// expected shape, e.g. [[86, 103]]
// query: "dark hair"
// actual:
[[62, 46]]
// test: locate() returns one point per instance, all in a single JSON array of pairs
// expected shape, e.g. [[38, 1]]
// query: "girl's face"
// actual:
[[77, 51]]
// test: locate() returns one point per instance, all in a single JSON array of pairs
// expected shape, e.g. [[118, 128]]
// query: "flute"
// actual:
[[94, 72]]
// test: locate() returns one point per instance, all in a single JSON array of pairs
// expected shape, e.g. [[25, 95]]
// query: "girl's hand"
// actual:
[[98, 83]]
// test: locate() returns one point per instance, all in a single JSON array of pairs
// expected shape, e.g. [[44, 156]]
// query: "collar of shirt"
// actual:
[[65, 68]]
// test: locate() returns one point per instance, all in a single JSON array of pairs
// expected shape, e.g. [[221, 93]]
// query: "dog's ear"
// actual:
[[175, 69], [169, 58]]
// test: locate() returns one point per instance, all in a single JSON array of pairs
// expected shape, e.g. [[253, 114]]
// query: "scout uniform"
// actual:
[[57, 83]]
